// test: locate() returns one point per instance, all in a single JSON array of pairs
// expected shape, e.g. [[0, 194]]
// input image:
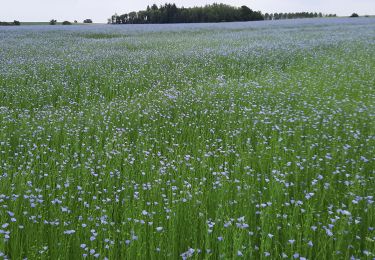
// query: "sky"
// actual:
[[100, 10]]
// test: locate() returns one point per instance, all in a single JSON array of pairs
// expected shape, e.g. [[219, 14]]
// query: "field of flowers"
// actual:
[[233, 140]]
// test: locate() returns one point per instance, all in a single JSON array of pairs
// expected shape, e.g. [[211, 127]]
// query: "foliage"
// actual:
[[52, 22], [87, 21], [354, 15], [15, 22], [170, 13], [66, 23], [281, 16]]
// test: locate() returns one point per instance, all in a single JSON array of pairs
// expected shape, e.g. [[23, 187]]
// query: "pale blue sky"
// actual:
[[100, 10]]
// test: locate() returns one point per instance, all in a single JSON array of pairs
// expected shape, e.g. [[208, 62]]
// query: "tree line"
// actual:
[[10, 24], [54, 22], [280, 16], [170, 13]]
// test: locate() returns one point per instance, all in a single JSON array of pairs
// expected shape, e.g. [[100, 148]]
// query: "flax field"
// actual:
[[192, 141]]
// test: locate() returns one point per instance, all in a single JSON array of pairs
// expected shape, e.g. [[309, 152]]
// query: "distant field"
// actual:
[[35, 23], [211, 141], [47, 23]]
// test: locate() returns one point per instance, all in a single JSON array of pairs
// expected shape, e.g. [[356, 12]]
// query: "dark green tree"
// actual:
[[132, 17]]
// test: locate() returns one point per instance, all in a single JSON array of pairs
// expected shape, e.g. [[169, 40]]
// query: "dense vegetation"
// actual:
[[10, 24], [170, 13], [281, 16], [209, 141], [53, 22]]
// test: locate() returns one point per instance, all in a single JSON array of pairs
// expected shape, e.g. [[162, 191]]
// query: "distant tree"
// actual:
[[118, 20], [10, 24], [246, 13], [279, 16], [113, 19], [354, 15], [66, 23], [154, 7], [170, 13], [87, 21], [142, 17], [75, 21], [132, 17], [123, 18], [53, 22]]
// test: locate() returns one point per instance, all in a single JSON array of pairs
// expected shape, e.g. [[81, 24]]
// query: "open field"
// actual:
[[47, 23], [236, 140]]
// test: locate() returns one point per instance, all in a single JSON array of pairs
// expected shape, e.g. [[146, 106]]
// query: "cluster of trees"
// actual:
[[10, 24], [54, 22], [279, 16], [354, 15], [170, 13]]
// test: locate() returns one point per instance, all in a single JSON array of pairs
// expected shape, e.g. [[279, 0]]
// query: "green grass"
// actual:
[[210, 143]]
